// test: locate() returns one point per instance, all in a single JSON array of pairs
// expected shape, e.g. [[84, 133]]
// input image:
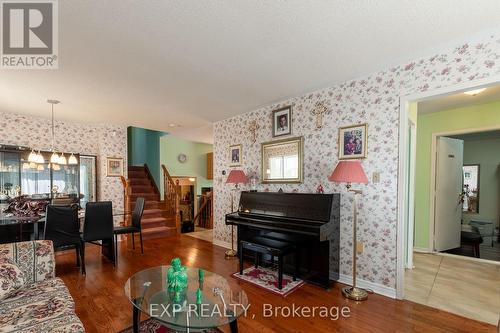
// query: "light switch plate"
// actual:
[[376, 177]]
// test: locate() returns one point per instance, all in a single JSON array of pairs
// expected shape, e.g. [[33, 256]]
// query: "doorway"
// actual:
[[474, 224], [186, 186], [443, 280]]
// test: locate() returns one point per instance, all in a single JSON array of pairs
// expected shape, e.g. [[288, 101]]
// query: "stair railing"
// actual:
[[205, 212], [127, 192], [171, 197]]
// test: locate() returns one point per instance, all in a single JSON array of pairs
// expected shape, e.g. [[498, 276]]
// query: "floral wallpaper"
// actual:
[[88, 139], [373, 99]]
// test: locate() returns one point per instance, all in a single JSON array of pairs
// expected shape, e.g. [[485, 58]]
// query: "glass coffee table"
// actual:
[[222, 301]]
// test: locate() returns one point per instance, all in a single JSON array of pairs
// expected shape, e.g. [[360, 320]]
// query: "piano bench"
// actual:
[[272, 247]]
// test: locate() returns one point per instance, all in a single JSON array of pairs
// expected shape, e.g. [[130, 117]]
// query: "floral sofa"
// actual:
[[32, 299]]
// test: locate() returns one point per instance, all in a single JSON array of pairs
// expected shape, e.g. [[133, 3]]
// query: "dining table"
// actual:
[[37, 221]]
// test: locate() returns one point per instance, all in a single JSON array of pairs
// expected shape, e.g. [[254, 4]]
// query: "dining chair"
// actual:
[[62, 227], [134, 228], [98, 226]]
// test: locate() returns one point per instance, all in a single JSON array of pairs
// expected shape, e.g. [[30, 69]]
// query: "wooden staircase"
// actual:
[[158, 219]]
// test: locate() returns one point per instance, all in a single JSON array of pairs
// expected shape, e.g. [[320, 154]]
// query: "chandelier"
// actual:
[[55, 159]]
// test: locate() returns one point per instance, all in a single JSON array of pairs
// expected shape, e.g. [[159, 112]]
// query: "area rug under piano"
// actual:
[[267, 278]]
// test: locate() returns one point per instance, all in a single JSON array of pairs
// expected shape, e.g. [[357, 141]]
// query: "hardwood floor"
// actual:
[[103, 307]]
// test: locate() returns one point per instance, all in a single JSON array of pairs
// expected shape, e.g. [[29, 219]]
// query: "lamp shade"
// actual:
[[236, 177], [349, 172]]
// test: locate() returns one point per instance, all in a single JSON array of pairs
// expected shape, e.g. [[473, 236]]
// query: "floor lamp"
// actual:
[[235, 177], [352, 172]]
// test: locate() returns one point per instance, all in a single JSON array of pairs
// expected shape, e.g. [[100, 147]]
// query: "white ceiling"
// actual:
[[458, 100], [191, 62]]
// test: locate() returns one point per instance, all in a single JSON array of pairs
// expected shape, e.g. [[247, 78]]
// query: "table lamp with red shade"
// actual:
[[352, 172], [235, 177]]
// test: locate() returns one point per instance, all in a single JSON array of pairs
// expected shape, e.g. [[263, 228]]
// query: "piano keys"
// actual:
[[310, 221]]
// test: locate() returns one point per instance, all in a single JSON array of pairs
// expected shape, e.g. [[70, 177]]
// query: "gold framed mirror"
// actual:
[[282, 161]]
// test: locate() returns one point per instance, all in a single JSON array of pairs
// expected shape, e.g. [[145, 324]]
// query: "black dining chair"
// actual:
[[98, 226], [62, 227], [134, 228]]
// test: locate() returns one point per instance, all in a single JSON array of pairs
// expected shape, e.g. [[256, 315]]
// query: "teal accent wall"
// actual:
[[196, 164], [486, 153], [478, 116], [144, 148]]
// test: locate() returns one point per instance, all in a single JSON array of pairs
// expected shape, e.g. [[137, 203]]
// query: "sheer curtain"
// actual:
[[34, 181]]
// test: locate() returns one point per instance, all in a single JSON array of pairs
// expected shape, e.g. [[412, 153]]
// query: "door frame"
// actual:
[[195, 186], [410, 213], [403, 180]]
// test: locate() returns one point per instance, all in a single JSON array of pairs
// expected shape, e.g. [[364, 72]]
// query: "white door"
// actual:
[[448, 208]]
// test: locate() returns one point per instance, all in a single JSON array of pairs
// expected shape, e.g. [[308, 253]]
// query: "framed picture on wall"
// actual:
[[114, 166], [282, 121], [353, 141], [235, 155]]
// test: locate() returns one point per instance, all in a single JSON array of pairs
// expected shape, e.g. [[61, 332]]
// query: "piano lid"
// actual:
[[305, 206]]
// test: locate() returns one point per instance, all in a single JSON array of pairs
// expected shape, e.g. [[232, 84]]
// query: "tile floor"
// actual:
[[201, 233], [464, 287]]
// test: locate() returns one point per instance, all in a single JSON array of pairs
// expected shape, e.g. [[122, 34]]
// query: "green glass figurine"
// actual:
[[198, 296], [201, 274], [177, 277]]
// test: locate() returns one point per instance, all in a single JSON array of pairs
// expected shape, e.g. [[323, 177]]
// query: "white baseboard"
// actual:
[[377, 288], [222, 243], [421, 250]]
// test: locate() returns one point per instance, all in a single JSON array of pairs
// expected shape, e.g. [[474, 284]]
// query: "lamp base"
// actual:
[[355, 293], [231, 254]]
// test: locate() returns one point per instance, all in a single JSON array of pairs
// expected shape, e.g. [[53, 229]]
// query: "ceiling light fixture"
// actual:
[[39, 158], [62, 159], [474, 92], [72, 160], [32, 156], [55, 158], [173, 125]]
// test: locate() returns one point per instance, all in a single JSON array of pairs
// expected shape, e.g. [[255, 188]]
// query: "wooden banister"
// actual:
[[171, 196], [127, 192], [205, 213]]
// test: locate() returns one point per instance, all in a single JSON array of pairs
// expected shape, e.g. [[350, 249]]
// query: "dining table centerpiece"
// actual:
[[25, 206]]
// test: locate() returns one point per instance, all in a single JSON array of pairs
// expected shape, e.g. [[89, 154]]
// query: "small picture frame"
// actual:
[[114, 166], [353, 141], [282, 121], [235, 155]]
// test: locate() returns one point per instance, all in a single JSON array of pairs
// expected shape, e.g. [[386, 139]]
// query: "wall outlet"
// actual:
[[360, 247], [376, 177]]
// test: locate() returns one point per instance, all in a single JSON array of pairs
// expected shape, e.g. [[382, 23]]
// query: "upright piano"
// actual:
[[310, 221]]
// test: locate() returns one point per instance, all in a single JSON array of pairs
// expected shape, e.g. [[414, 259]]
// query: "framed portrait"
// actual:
[[114, 166], [353, 141], [235, 155], [282, 121]]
